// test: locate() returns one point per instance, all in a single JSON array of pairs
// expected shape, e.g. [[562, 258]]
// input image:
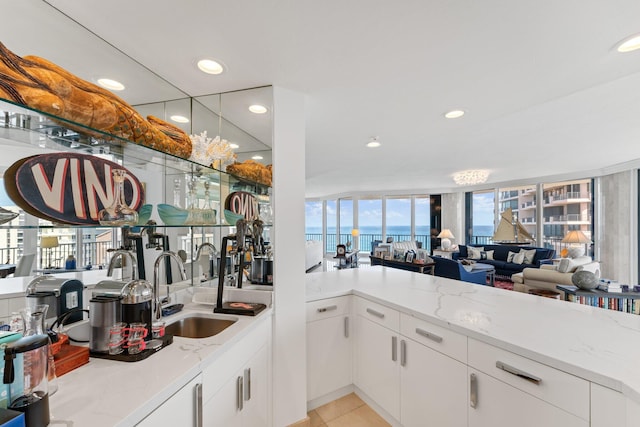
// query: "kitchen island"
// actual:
[[594, 350]]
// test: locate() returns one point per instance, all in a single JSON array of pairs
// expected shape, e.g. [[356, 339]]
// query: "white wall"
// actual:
[[289, 339]]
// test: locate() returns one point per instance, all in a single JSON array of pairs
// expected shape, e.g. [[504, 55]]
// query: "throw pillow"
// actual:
[[510, 256], [474, 253], [518, 258], [565, 265], [486, 254], [529, 255]]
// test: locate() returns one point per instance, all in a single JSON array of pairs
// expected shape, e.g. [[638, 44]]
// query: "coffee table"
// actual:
[[410, 266], [488, 268]]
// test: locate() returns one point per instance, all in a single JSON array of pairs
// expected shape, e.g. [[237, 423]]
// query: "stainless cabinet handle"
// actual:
[[198, 390], [375, 313], [429, 335], [329, 308], [473, 390], [346, 327], [403, 352], [247, 382], [394, 350], [518, 373], [239, 400]]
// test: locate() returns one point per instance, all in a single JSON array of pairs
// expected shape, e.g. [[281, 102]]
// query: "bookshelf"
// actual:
[[626, 302]]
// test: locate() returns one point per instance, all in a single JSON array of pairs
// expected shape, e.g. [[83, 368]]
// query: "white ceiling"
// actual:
[[545, 91]]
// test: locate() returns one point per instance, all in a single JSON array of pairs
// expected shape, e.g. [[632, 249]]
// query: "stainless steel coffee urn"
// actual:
[[104, 312], [62, 295]]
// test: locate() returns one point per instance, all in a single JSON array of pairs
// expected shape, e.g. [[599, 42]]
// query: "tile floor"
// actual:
[[348, 411]]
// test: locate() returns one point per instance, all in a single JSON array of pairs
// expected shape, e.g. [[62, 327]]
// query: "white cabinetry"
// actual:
[[607, 407], [506, 390], [243, 399], [329, 349], [377, 370], [183, 408], [433, 384]]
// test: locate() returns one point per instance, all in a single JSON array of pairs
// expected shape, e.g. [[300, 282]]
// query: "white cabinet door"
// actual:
[[243, 400], [255, 411], [494, 403], [180, 409], [434, 387], [376, 364], [328, 356]]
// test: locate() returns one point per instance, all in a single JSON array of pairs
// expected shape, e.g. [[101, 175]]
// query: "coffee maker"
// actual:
[[60, 294], [34, 400]]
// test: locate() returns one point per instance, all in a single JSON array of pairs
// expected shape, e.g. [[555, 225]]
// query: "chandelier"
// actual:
[[470, 177]]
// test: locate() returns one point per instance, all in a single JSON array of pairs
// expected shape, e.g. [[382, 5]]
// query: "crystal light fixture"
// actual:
[[471, 177]]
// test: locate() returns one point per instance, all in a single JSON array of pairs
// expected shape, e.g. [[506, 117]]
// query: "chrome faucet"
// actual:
[[212, 253], [157, 309], [124, 254]]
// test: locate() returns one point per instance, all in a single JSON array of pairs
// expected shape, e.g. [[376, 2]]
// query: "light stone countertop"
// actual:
[[602, 346], [113, 393]]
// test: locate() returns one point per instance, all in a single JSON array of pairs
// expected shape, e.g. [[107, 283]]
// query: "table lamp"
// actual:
[[355, 233], [576, 238], [444, 237], [49, 242]]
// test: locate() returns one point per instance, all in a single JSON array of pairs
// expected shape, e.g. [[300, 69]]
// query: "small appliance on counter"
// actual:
[[104, 312], [33, 401], [137, 301], [62, 295], [109, 288]]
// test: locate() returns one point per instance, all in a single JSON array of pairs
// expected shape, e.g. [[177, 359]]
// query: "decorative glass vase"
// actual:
[[119, 213], [33, 318]]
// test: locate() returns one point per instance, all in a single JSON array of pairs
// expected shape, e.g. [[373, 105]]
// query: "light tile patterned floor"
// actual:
[[348, 411]]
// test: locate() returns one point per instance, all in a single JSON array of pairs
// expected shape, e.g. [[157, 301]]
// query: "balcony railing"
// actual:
[[365, 240], [568, 217]]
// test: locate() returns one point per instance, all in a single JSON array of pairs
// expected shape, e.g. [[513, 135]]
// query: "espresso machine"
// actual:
[[60, 294]]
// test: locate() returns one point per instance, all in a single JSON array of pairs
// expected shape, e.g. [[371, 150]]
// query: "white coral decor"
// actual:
[[207, 150]]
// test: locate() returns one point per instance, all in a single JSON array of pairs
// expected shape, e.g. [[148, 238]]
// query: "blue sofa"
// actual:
[[500, 253], [454, 270]]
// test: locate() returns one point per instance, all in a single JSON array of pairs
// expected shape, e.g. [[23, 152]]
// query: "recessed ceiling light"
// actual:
[[257, 157], [374, 143], [234, 146], [110, 84], [210, 66], [629, 44], [258, 109], [454, 114], [179, 119]]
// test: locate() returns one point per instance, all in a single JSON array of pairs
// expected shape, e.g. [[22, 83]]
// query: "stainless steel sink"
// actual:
[[198, 327]]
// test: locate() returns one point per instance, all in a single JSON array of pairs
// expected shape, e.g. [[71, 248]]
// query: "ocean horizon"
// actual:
[[478, 230]]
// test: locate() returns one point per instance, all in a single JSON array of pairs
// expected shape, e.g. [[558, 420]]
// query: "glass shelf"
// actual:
[[41, 133]]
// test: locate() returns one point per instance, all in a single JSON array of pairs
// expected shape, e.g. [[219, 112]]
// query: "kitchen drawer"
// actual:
[[330, 307], [438, 338], [378, 313], [548, 384]]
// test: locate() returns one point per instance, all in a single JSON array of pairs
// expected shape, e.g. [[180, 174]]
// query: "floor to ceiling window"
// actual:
[[398, 218], [567, 206], [332, 224], [313, 220], [483, 214], [422, 212], [346, 221], [522, 202], [369, 223]]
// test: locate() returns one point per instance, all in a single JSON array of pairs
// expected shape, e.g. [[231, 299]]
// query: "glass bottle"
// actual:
[[208, 212], [33, 318], [194, 216], [119, 213]]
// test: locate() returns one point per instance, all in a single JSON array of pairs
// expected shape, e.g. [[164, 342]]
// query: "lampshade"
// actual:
[[575, 236], [444, 237], [49, 242], [446, 234], [355, 232]]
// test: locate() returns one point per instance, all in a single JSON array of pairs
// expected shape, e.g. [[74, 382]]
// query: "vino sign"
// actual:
[[67, 187], [242, 203]]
